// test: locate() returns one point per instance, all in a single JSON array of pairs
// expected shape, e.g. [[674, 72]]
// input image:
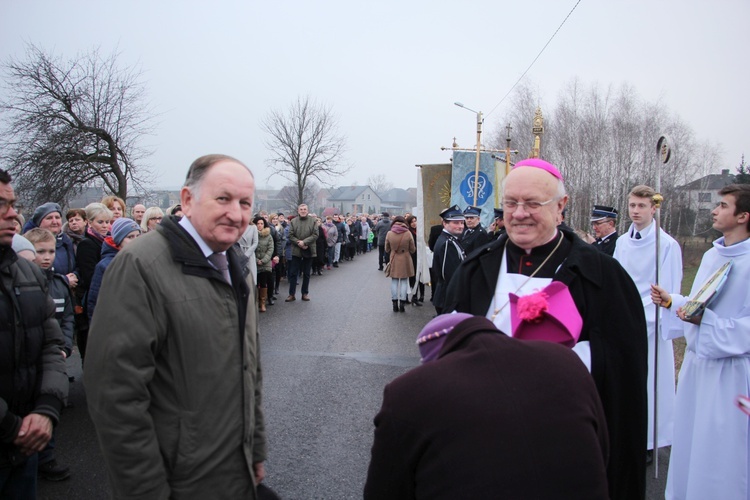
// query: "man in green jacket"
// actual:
[[173, 376], [303, 231]]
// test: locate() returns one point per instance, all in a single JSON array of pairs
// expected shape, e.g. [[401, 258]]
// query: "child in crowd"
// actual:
[[44, 242]]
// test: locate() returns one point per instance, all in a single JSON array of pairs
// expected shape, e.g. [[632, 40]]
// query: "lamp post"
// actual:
[[479, 147]]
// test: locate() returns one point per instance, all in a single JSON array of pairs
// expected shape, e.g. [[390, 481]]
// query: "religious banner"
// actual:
[[436, 194], [464, 179]]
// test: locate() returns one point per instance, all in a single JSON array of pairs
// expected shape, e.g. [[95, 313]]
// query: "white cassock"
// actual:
[[711, 447], [638, 257]]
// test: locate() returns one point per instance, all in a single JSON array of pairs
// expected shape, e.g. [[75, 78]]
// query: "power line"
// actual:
[[535, 59]]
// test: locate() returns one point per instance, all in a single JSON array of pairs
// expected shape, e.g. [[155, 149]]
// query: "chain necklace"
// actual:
[[559, 242]]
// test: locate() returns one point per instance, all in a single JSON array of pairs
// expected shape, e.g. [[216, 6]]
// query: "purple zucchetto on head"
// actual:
[[537, 163], [432, 337]]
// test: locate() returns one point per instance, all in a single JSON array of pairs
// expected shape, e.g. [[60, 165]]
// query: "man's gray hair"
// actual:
[[198, 169]]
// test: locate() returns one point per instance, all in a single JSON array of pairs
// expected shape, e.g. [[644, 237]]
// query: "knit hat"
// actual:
[[43, 211], [21, 244], [432, 336], [123, 227]]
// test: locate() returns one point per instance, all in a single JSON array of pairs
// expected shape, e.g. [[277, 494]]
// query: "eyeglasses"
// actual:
[[531, 207], [155, 218], [6, 205], [598, 223]]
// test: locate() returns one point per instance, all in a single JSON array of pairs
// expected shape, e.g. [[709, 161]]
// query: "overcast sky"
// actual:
[[391, 70]]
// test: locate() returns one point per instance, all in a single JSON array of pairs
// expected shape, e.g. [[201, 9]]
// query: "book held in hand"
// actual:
[[698, 303]]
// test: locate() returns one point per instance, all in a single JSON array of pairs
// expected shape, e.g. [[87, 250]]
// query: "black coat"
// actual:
[[492, 417], [474, 238], [607, 245], [448, 256], [435, 232], [613, 322]]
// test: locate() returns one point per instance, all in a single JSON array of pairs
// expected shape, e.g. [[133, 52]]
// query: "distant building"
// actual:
[[355, 199], [88, 195], [398, 201], [702, 195]]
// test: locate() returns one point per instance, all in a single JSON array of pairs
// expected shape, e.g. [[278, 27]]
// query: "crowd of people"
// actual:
[[511, 292]]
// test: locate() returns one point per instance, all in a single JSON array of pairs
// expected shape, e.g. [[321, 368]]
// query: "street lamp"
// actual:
[[479, 147]]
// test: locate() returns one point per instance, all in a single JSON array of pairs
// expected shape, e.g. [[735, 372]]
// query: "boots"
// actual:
[[262, 299], [401, 306], [395, 305]]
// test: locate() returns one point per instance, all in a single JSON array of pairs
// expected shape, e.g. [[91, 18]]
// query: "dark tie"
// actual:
[[637, 235], [219, 261]]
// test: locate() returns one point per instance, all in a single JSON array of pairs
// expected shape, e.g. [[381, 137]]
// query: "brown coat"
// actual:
[[400, 246]]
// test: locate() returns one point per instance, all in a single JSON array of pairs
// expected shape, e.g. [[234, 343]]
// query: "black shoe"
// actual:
[[415, 302], [52, 471], [335, 264], [380, 268], [395, 305], [401, 306]]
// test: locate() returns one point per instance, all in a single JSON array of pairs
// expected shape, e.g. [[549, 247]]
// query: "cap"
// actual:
[[432, 337], [498, 213], [472, 211], [601, 212], [43, 211], [538, 163], [452, 213], [123, 227]]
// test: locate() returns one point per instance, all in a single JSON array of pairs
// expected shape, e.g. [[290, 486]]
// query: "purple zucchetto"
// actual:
[[537, 163], [432, 337]]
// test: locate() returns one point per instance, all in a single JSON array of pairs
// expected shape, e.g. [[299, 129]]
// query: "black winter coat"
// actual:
[[615, 325], [32, 368]]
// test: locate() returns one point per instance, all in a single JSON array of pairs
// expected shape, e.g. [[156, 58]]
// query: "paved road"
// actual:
[[325, 363]]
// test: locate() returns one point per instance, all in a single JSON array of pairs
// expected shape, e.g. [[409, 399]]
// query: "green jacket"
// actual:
[[264, 251], [303, 229], [173, 377]]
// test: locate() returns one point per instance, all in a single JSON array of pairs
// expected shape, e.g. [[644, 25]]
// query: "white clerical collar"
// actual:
[[188, 226], [644, 232]]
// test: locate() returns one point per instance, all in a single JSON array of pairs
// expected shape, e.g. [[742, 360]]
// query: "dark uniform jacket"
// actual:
[[474, 238], [613, 323], [448, 255], [492, 417], [606, 244], [32, 367]]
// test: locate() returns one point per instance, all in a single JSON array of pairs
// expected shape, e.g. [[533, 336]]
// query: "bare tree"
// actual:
[[604, 140], [380, 184], [305, 144], [290, 199], [69, 123]]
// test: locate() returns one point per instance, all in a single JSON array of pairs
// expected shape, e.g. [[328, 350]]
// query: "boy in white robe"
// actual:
[[636, 251], [711, 447]]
